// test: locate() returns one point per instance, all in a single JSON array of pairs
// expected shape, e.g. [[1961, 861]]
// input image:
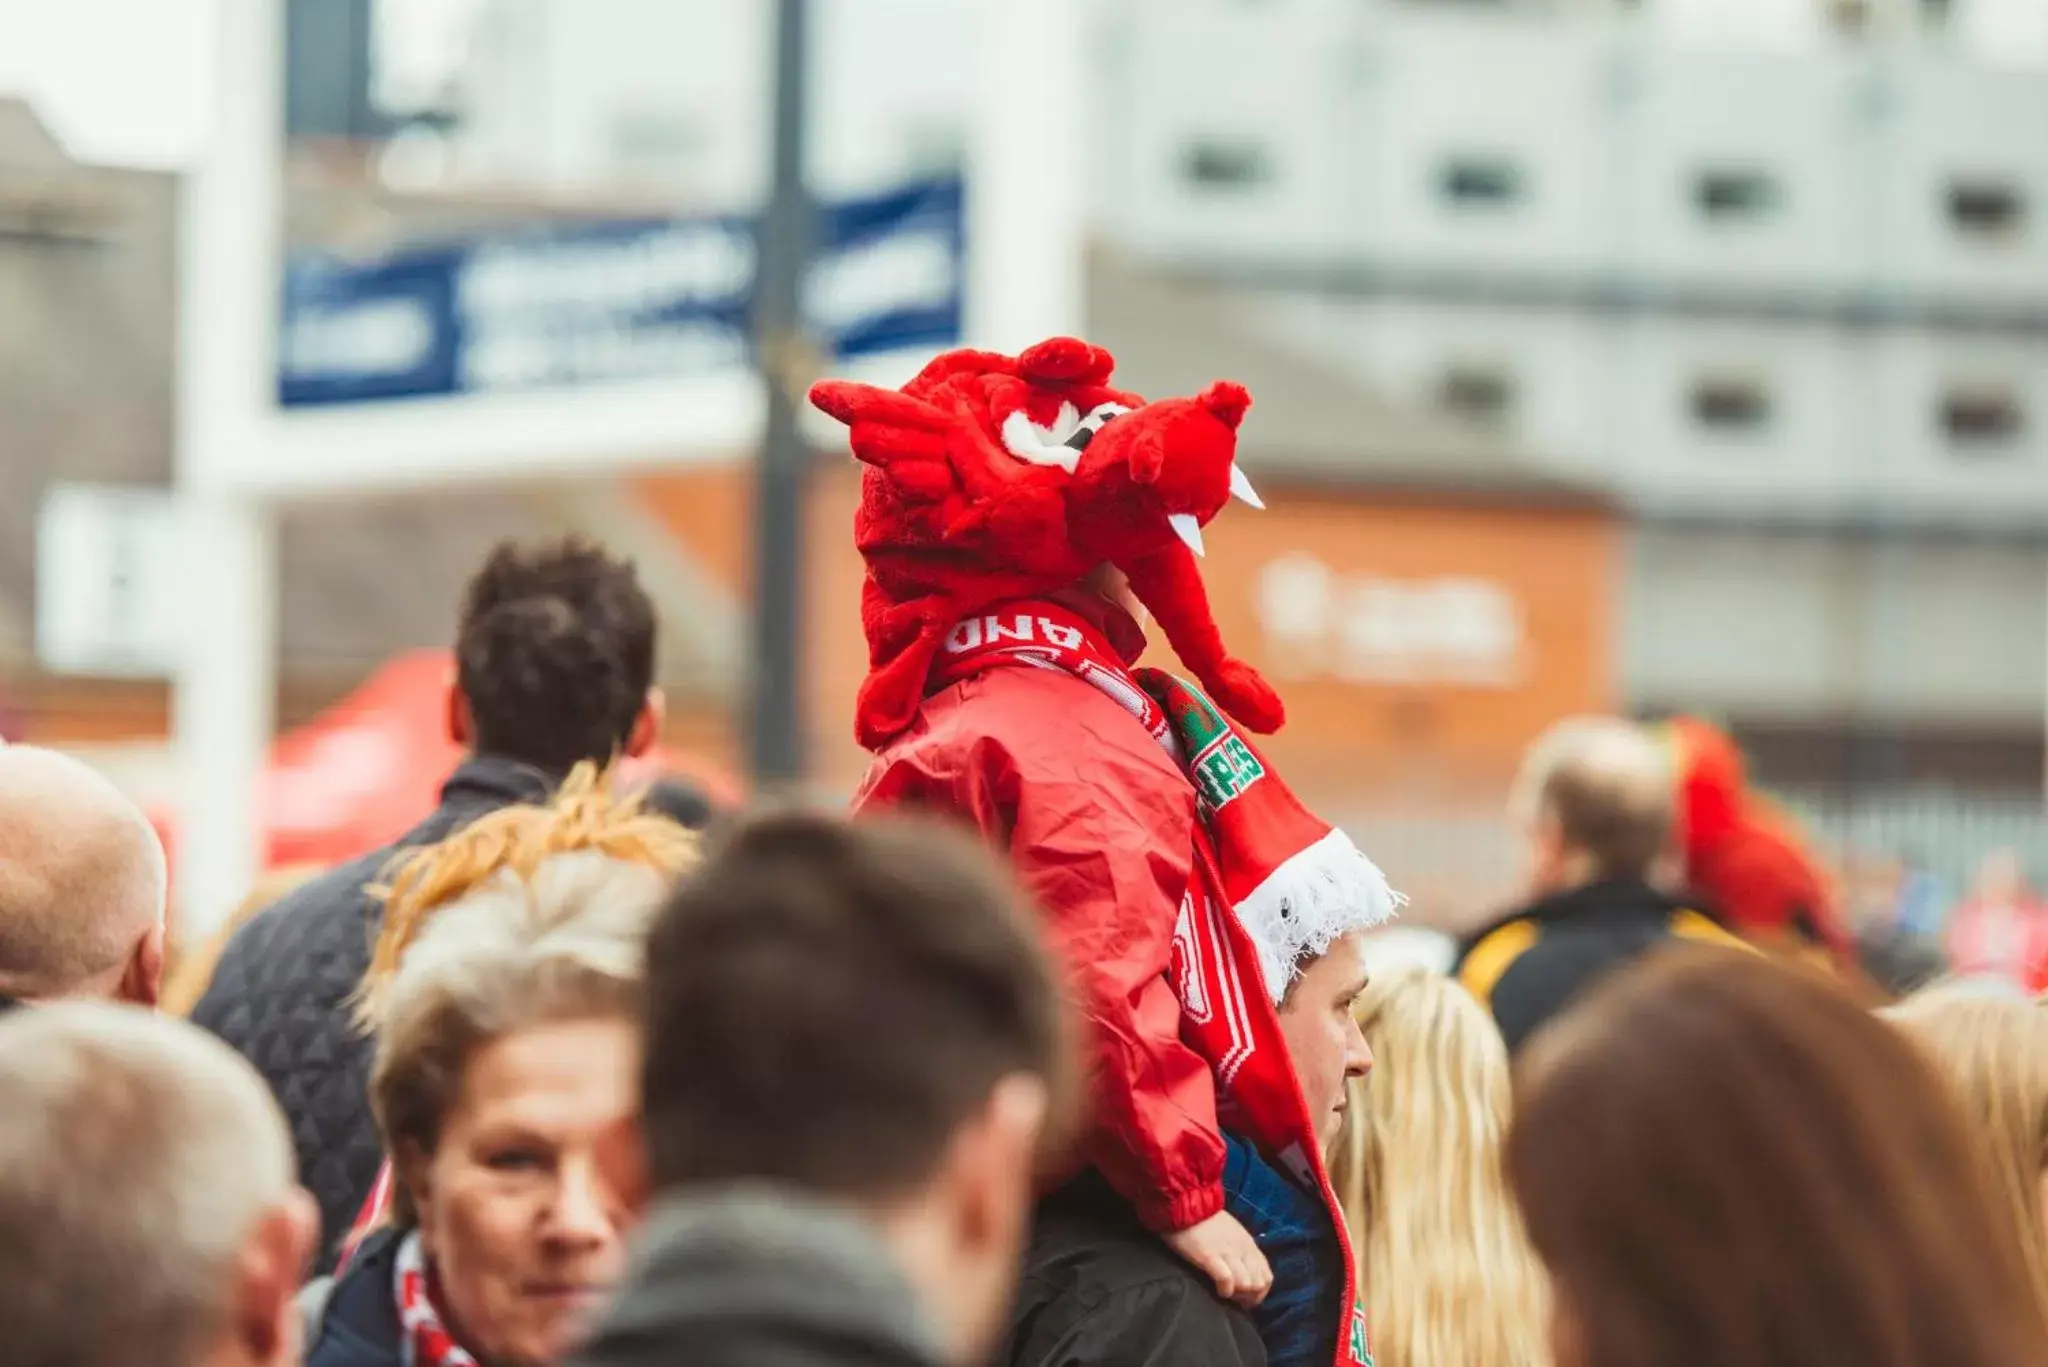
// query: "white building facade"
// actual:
[[1777, 278]]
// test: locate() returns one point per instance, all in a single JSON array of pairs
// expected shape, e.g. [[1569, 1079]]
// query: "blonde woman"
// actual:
[[1993, 1047], [505, 992], [1449, 1279]]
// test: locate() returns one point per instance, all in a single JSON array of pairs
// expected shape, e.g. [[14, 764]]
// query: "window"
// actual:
[[1479, 182], [1730, 195], [933, 146], [38, 214], [1981, 418], [657, 142], [1986, 209], [1228, 164], [1731, 404], [1477, 392], [1851, 16]]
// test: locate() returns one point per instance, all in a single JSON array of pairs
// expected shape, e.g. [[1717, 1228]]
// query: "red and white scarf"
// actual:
[[1274, 886], [373, 1216], [427, 1340], [1296, 884]]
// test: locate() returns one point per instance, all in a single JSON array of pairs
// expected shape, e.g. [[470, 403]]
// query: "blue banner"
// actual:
[[565, 304]]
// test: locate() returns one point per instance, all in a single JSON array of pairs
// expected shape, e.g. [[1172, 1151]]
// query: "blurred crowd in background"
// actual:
[[559, 1077], [1663, 358], [1649, 426]]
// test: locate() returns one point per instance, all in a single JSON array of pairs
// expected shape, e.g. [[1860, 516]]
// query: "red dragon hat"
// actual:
[[1743, 855], [991, 477]]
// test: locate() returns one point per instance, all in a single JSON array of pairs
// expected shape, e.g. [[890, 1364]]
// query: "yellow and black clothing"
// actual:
[[1533, 963]]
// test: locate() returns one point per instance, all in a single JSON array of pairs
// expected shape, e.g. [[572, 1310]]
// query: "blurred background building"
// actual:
[[1677, 355]]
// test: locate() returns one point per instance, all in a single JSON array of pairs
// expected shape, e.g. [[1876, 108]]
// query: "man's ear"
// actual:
[[622, 1159], [461, 722], [142, 982], [646, 732], [995, 1155], [1552, 854], [268, 1273]]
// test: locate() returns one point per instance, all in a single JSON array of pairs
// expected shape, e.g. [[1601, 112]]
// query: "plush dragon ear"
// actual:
[[893, 432], [1228, 400], [850, 402]]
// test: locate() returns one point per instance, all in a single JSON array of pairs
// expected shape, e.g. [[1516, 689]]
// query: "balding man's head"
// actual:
[[147, 1190], [1595, 795], [82, 883]]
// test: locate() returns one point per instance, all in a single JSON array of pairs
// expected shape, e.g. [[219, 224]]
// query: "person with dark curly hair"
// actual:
[[554, 652]]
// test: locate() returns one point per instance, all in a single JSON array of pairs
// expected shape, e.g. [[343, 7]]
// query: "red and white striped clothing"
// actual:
[[427, 1340]]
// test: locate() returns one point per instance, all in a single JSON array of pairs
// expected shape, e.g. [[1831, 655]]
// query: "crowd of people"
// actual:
[[1064, 1048]]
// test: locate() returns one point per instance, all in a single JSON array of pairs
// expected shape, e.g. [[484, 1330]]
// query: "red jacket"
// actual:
[[1100, 827]]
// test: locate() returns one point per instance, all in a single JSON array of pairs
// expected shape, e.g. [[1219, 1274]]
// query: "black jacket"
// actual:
[[1101, 1290], [1533, 963], [357, 1323], [759, 1277], [280, 997]]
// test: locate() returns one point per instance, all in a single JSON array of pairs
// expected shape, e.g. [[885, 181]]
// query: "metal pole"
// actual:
[[784, 355], [229, 228]]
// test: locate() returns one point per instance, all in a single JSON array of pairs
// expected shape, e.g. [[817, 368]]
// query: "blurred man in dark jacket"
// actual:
[[554, 665], [1100, 1291], [1593, 806], [854, 1051]]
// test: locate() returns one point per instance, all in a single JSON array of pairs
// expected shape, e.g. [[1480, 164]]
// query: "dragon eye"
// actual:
[[1098, 418]]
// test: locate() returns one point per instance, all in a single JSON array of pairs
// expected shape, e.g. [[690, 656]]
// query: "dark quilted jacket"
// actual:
[[280, 997]]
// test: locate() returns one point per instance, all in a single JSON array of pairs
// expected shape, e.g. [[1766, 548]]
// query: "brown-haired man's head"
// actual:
[[1593, 803], [863, 1013], [554, 657]]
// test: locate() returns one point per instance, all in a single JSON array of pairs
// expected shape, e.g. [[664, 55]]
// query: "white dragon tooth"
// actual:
[[1241, 487], [1188, 529]]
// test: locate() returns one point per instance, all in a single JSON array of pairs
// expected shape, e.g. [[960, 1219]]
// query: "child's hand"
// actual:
[[1223, 1248]]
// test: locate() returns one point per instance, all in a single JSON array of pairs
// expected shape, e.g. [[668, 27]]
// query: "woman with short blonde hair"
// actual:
[[1993, 1048], [505, 992], [1449, 1279]]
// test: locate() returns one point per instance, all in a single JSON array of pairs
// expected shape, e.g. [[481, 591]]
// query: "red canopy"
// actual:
[[370, 768]]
